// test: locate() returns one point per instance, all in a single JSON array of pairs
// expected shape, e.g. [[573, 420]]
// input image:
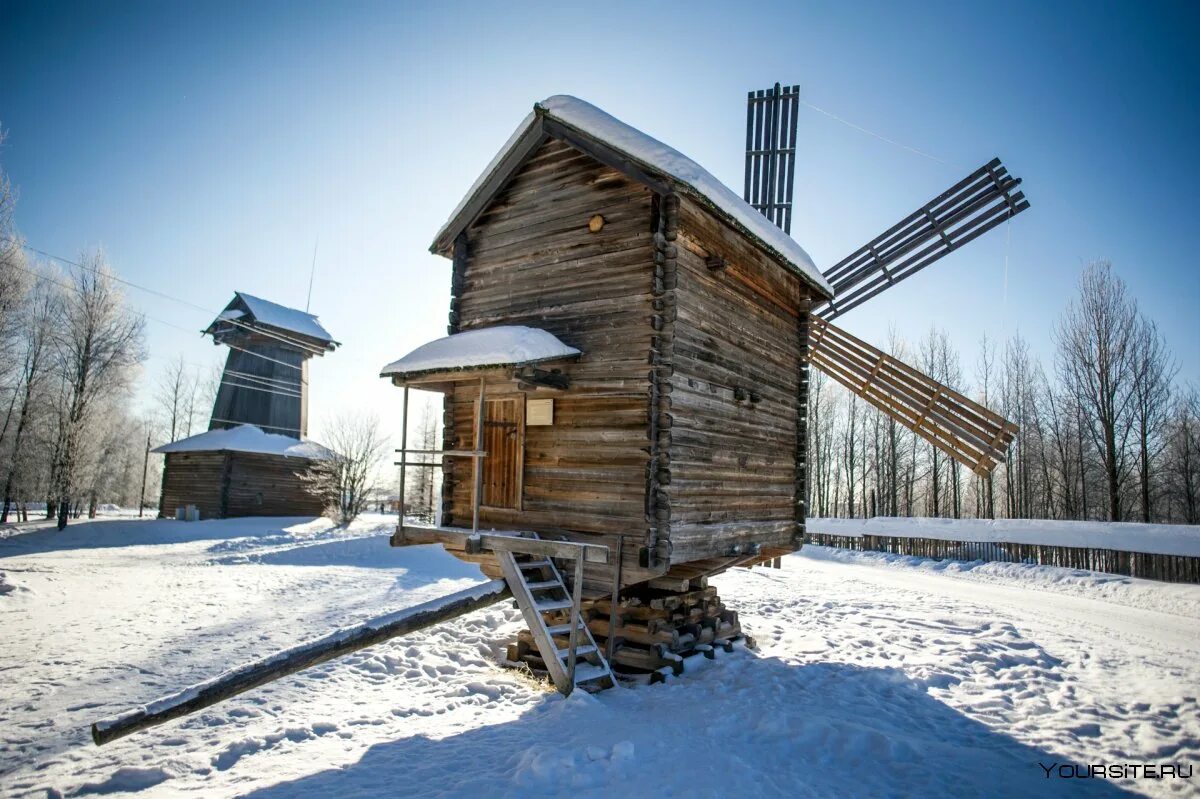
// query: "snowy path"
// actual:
[[876, 675]]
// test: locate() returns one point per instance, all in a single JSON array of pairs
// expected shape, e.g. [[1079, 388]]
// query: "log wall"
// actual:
[[736, 476], [230, 484], [531, 259]]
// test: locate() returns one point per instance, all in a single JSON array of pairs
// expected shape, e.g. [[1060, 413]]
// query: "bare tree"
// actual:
[[97, 343], [1152, 376], [175, 387], [43, 311], [420, 481], [14, 274], [348, 478], [1183, 456], [1096, 363]]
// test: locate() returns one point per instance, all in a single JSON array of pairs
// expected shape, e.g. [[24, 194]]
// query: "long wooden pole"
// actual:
[[290, 661]]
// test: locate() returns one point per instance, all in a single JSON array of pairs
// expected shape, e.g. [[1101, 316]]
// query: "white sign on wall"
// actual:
[[539, 412]]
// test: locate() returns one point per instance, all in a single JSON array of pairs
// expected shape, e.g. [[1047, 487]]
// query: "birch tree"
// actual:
[[97, 344]]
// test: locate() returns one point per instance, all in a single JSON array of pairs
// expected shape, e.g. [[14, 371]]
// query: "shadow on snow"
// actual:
[[745, 726]]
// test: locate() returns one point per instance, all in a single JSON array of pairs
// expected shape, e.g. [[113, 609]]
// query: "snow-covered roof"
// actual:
[[284, 318], [653, 155], [248, 438], [504, 345]]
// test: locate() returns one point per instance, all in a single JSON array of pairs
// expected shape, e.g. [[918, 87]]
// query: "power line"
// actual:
[[70, 287], [293, 395], [268, 333], [881, 137]]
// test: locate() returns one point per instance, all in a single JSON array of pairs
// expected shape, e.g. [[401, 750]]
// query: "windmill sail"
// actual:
[[962, 213], [965, 430], [962, 428], [772, 116]]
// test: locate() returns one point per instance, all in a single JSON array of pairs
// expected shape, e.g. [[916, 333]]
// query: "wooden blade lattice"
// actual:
[[962, 428], [962, 213], [772, 116]]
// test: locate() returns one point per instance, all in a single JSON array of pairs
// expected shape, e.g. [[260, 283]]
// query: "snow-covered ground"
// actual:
[[875, 675]]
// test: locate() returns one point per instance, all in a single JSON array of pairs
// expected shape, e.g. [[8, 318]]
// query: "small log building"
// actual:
[[239, 472]]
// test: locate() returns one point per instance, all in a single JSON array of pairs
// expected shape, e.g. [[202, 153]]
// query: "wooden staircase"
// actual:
[[568, 649]]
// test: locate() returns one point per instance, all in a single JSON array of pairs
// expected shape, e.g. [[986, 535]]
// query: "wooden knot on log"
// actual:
[[596, 224]]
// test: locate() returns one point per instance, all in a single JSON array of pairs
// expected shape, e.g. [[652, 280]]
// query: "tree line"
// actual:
[[72, 349], [1106, 431]]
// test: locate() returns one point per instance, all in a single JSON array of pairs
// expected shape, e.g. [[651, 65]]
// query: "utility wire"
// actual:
[[881, 137], [268, 333], [75, 289]]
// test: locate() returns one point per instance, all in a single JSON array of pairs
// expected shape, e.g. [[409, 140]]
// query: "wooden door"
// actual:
[[504, 442]]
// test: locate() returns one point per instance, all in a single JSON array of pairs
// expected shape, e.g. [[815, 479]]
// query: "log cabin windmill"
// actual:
[[965, 430], [625, 391], [678, 445], [250, 461]]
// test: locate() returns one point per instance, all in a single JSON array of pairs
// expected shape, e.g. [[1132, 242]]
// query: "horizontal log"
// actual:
[[297, 659]]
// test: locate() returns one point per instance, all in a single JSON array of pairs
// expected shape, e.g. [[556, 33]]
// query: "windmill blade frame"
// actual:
[[962, 213], [967, 431]]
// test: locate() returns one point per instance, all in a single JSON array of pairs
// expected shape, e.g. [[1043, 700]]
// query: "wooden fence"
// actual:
[[1168, 568]]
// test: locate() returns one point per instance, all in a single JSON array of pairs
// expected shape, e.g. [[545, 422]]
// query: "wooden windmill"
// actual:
[[251, 460], [962, 428]]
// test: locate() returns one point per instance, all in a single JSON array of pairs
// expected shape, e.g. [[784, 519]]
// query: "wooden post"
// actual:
[[298, 658], [576, 598], [478, 490], [610, 644], [145, 469], [403, 458]]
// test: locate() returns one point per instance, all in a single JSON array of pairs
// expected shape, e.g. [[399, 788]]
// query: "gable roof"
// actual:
[[629, 150], [272, 314], [502, 345]]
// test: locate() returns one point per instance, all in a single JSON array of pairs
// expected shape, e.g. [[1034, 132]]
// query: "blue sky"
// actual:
[[208, 146]]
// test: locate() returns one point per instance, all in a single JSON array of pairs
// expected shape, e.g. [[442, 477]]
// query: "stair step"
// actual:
[[561, 629], [534, 564], [553, 604], [586, 672], [580, 651], [547, 584]]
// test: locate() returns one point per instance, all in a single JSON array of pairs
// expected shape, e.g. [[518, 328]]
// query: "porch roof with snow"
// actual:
[[250, 439], [245, 311], [637, 155], [485, 348]]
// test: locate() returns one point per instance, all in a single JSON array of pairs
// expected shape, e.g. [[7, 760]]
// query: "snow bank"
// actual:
[[1154, 539], [283, 317], [248, 438], [504, 345], [662, 159]]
